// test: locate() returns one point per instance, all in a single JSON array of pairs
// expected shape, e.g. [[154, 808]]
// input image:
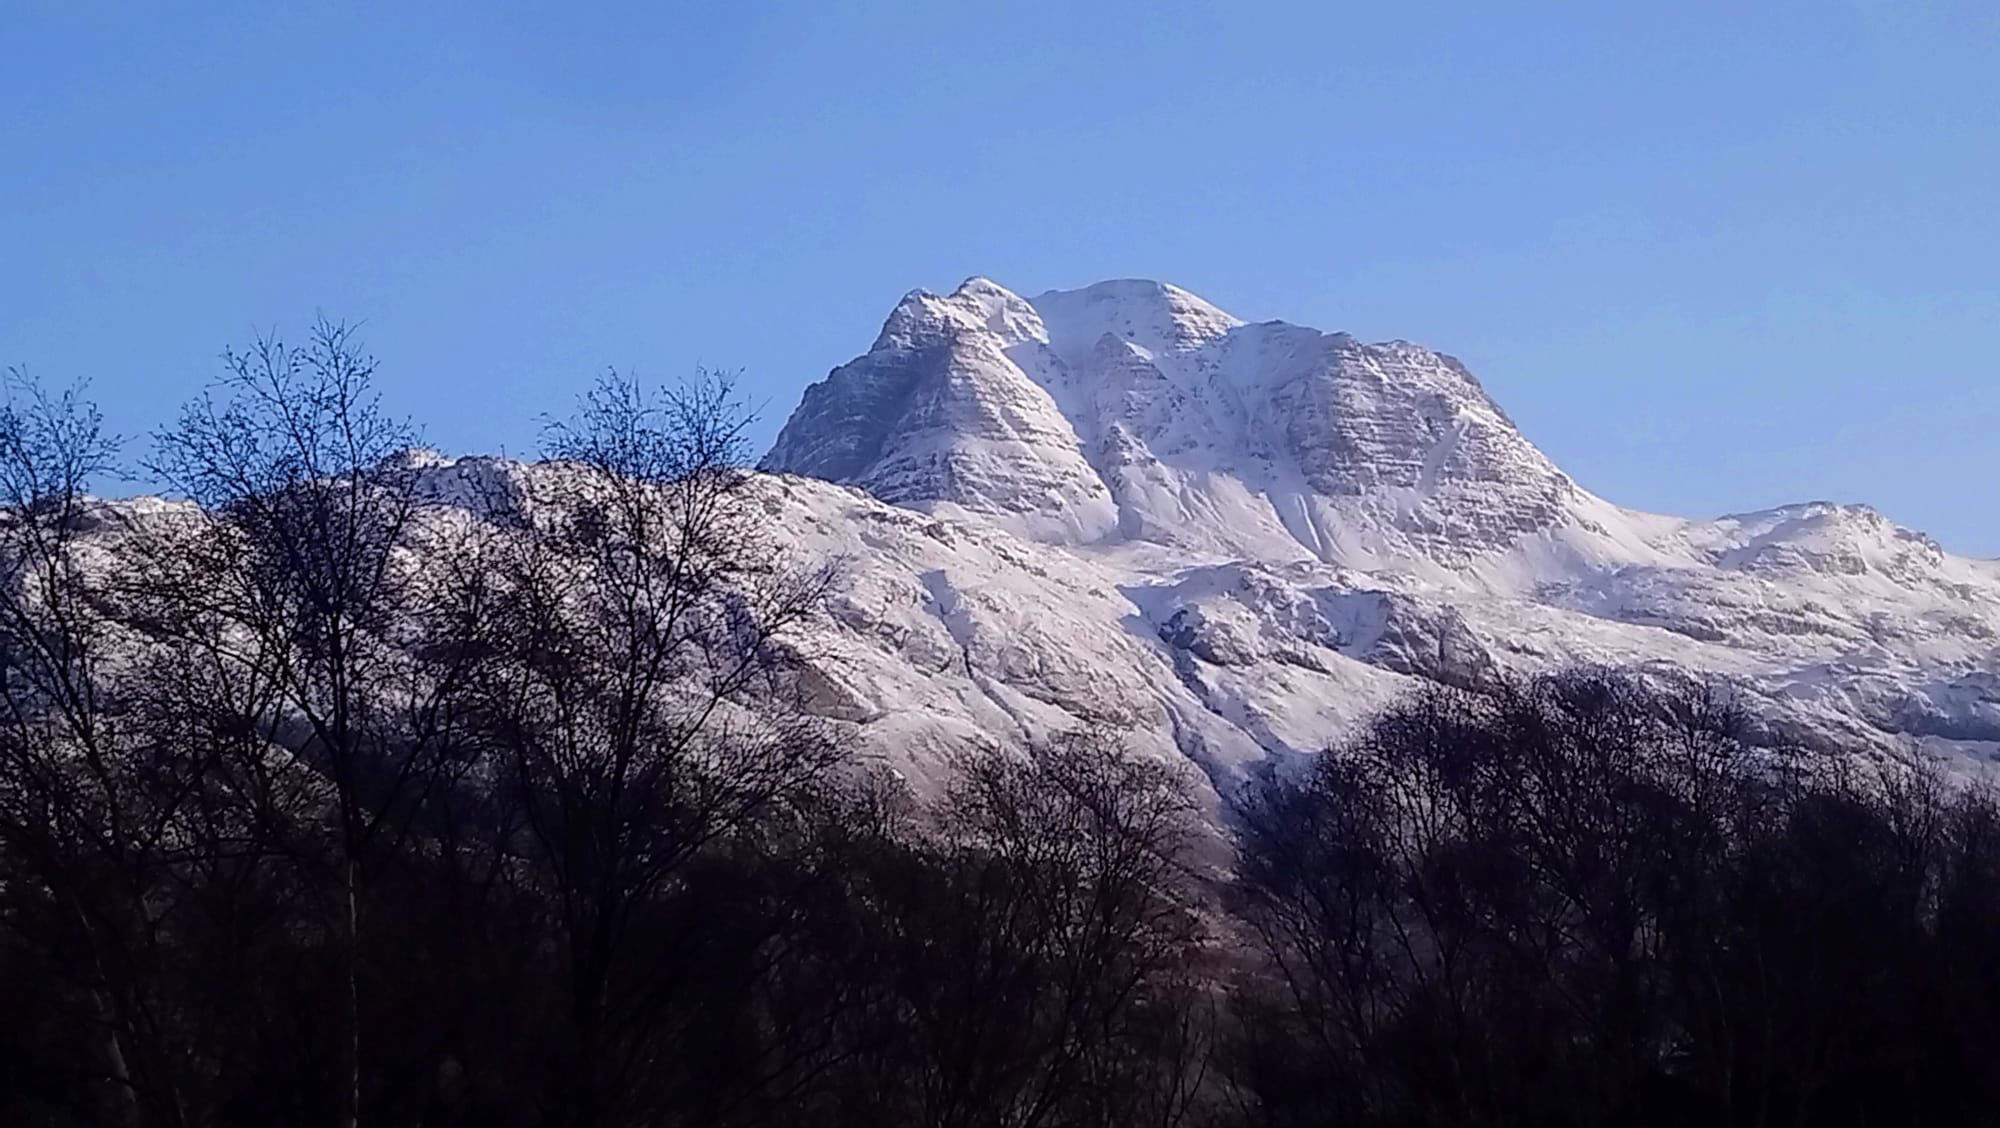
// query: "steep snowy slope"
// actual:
[[943, 407], [947, 636], [1267, 511], [1135, 411]]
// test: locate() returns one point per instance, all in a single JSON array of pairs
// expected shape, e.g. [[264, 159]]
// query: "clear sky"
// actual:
[[1712, 256]]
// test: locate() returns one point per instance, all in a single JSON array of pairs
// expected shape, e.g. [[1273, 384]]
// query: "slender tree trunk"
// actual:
[[124, 1094], [351, 1113], [124, 1098]]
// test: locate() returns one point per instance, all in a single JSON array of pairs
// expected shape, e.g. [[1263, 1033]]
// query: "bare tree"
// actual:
[[292, 566], [636, 698], [1042, 940], [66, 806]]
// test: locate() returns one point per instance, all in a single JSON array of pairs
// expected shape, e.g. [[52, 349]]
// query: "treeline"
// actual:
[[321, 804], [1586, 902]]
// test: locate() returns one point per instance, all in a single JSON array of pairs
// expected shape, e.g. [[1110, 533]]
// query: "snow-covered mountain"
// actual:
[[1123, 505], [1136, 411]]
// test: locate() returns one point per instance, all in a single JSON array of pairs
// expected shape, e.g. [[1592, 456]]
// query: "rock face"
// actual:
[[1239, 539], [944, 407], [1136, 411]]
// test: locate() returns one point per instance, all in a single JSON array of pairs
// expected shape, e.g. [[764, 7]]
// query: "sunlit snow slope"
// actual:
[[1121, 505]]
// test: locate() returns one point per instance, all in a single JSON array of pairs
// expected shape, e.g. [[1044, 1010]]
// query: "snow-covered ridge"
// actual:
[[1232, 542], [1298, 523], [1136, 411]]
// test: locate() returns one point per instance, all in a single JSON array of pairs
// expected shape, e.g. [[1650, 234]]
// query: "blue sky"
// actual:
[[1711, 256]]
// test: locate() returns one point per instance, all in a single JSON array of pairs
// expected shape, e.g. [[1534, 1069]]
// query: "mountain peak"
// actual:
[[923, 318], [1156, 316], [1133, 409]]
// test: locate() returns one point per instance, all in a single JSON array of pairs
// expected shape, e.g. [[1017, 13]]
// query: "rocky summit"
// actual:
[[1233, 540]]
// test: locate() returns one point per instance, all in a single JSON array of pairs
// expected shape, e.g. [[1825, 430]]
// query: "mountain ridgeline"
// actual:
[[1291, 518], [1136, 411]]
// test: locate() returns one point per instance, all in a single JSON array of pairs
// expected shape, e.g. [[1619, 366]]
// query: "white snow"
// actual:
[[1242, 538]]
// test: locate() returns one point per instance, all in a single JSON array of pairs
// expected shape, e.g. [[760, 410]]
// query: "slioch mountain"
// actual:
[[1121, 505]]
